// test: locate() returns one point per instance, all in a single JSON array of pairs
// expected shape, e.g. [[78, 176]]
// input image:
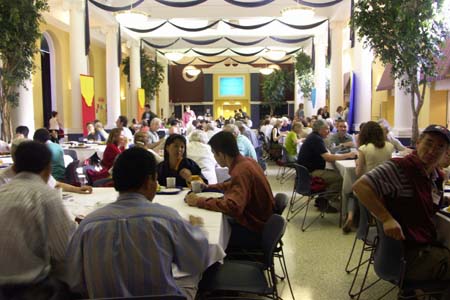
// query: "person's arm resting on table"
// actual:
[[327, 156]]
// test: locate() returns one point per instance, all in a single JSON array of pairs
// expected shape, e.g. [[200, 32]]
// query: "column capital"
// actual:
[[108, 29], [73, 5], [133, 43]]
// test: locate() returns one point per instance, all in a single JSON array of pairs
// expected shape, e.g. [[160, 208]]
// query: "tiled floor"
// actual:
[[316, 258]]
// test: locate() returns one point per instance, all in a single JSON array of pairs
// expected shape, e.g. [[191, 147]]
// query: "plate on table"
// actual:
[[169, 191], [210, 195]]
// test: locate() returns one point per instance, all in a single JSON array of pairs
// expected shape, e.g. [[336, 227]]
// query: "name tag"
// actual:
[[437, 195]]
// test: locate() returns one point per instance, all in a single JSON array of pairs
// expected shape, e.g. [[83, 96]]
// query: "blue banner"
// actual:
[[350, 116]]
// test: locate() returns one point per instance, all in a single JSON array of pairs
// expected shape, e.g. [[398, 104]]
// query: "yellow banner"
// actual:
[[87, 89], [141, 98]]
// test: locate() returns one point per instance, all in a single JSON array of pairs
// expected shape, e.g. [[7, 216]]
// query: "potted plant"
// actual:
[[152, 75], [303, 68], [407, 34], [274, 88], [19, 31]]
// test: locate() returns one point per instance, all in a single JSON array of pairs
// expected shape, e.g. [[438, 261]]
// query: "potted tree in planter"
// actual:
[[407, 34], [19, 31], [303, 68], [274, 88], [152, 75]]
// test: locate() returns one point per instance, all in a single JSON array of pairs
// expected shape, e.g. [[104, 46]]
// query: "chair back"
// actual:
[[72, 153], [272, 233], [281, 201], [71, 175], [388, 258], [303, 180]]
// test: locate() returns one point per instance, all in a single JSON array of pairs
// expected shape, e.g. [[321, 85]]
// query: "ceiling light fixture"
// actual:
[[192, 71], [275, 54], [266, 71], [132, 18], [174, 56], [298, 13]]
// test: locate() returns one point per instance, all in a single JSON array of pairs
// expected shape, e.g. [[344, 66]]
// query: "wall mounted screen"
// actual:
[[231, 86]]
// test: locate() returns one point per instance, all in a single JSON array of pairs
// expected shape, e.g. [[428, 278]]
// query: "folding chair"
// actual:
[[390, 265], [302, 187], [245, 276], [367, 233], [71, 175], [286, 169]]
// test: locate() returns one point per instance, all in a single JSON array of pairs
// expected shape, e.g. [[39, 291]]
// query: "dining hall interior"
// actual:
[[256, 115]]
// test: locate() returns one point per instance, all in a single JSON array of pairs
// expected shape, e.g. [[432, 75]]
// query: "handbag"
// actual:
[[318, 184]]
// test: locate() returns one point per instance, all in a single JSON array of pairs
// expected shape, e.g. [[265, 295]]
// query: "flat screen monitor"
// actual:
[[231, 86]]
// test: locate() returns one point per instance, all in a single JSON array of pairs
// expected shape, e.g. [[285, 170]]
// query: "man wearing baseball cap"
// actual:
[[404, 194]]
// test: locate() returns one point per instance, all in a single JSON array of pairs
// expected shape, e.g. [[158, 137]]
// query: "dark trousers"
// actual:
[[48, 289], [242, 238], [427, 262]]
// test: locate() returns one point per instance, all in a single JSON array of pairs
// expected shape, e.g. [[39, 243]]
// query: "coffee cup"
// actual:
[[196, 186], [170, 182]]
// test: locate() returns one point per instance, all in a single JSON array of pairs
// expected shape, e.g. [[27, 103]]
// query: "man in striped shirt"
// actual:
[[404, 195], [34, 229], [127, 248]]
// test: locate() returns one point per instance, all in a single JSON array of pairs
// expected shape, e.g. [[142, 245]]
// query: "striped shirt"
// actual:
[[128, 247], [34, 230]]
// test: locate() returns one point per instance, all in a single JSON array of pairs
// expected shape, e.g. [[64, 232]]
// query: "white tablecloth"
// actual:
[[215, 225], [347, 170], [443, 228], [85, 153]]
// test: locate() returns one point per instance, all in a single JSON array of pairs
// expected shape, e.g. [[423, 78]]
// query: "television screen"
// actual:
[[231, 86]]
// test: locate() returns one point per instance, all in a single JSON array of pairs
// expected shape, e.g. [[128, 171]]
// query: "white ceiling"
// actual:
[[214, 10]]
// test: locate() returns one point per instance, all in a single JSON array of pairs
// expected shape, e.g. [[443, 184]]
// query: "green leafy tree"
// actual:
[[303, 67], [274, 88], [152, 75], [407, 34], [19, 31]]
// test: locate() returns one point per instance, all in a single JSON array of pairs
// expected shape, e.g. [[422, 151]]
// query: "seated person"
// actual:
[[139, 240], [100, 132], [176, 164], [114, 146], [199, 151], [42, 136], [90, 128], [155, 142], [141, 140], [247, 199], [341, 139], [245, 146], [404, 194], [22, 132], [292, 141], [35, 229], [399, 147], [314, 155], [7, 174]]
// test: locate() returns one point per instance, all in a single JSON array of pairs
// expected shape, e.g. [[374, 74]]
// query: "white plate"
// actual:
[[210, 195], [169, 191]]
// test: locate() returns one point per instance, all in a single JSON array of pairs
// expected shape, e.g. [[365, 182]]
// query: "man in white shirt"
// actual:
[[34, 229], [155, 142], [122, 123]]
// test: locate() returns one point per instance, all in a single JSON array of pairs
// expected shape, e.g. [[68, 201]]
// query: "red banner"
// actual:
[[87, 100], [141, 103]]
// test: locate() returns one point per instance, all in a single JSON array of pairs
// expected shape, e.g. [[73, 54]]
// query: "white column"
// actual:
[[362, 66], [164, 92], [336, 83], [297, 92], [112, 78], [135, 78], [23, 114], [320, 44], [402, 126], [78, 61]]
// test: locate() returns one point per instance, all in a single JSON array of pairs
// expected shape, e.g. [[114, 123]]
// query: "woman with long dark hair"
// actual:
[[176, 164]]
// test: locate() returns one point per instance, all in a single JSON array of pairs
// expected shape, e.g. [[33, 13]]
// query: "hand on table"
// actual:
[[393, 229], [85, 189], [191, 199]]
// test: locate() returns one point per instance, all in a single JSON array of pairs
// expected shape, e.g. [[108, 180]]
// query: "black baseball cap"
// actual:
[[438, 129]]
